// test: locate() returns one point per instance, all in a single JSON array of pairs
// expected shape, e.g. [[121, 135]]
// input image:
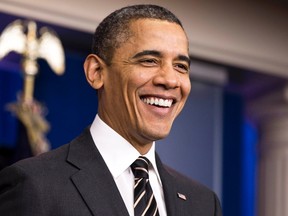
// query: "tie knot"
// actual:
[[140, 167]]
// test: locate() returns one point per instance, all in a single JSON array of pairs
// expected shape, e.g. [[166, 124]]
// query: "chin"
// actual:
[[159, 134], [155, 131]]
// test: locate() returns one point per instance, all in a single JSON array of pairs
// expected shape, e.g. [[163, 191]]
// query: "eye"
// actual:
[[148, 62], [182, 68]]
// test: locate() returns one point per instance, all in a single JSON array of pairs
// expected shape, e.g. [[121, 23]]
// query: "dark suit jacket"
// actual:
[[74, 180]]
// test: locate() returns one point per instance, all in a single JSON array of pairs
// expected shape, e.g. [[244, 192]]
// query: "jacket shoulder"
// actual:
[[186, 181], [201, 200]]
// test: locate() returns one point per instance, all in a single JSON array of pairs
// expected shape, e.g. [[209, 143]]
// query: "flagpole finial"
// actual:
[[21, 37]]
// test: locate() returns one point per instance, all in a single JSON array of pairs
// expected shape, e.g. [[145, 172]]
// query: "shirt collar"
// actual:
[[117, 152]]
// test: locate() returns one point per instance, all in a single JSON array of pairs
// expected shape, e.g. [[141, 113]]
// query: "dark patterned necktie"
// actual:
[[144, 200]]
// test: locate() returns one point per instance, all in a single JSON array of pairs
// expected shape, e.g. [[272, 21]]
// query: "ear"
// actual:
[[93, 67]]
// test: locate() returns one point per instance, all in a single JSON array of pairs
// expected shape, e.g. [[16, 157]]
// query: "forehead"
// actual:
[[148, 27], [157, 34]]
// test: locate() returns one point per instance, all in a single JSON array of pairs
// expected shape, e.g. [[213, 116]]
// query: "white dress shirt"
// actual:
[[118, 155]]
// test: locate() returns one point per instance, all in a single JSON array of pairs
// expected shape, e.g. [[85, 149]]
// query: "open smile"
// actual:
[[157, 101]]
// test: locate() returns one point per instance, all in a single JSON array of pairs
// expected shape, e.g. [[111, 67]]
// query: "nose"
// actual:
[[167, 77]]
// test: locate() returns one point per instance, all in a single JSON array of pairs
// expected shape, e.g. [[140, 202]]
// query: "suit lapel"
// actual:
[[93, 180], [170, 191]]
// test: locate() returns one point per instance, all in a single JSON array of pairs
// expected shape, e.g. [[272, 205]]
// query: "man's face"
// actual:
[[147, 83]]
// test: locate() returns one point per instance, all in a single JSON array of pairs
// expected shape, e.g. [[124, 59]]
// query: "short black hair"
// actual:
[[114, 29]]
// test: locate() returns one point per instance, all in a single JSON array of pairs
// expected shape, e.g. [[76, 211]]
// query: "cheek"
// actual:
[[139, 73], [137, 79], [186, 87]]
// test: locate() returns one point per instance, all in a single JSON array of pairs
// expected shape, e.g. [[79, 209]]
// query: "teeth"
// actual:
[[158, 101]]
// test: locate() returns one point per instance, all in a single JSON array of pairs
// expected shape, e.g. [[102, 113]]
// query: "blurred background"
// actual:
[[233, 133]]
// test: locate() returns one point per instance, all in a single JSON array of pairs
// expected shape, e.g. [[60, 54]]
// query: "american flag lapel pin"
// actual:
[[181, 196]]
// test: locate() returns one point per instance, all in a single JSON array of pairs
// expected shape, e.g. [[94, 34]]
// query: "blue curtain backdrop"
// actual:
[[239, 159], [10, 84]]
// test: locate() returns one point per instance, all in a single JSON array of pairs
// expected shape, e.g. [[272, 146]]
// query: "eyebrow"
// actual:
[[158, 54], [184, 58], [148, 52]]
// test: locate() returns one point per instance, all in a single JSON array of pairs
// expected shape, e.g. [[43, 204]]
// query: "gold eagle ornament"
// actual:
[[21, 37]]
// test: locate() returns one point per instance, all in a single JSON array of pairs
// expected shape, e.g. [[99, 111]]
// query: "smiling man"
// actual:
[[140, 68]]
